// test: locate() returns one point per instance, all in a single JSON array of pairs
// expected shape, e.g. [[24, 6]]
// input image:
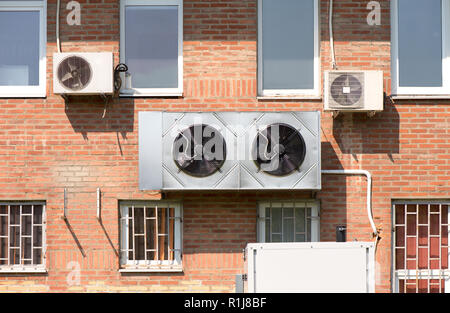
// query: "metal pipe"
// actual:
[[330, 25], [99, 204], [369, 191], [58, 44]]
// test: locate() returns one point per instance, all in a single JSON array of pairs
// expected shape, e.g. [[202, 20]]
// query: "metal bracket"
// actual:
[[371, 113], [99, 194], [64, 213], [335, 114]]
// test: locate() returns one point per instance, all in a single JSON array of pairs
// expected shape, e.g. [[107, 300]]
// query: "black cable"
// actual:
[[120, 68]]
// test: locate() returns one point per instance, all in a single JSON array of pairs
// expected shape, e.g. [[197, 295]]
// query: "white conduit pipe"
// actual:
[[58, 44], [369, 191], [330, 22]]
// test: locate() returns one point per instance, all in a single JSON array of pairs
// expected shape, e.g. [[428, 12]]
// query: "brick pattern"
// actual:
[[47, 145]]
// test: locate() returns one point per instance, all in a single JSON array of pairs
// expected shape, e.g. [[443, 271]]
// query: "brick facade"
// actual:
[[47, 145]]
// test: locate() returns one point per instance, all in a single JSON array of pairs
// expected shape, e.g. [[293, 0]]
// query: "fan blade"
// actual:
[[287, 140], [192, 131], [66, 77], [286, 165], [71, 66], [79, 83]]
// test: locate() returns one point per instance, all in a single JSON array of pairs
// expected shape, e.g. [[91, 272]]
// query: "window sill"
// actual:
[[420, 97], [163, 269], [22, 96], [136, 94], [22, 270], [289, 98]]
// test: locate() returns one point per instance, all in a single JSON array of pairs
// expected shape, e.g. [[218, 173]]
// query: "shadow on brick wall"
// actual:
[[333, 196], [356, 133], [88, 114]]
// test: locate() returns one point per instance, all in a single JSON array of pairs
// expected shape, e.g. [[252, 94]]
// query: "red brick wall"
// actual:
[[47, 145]]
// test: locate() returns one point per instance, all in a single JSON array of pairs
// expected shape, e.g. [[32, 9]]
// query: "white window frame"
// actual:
[[30, 91], [315, 216], [175, 265], [421, 91], [153, 92], [290, 93], [29, 268]]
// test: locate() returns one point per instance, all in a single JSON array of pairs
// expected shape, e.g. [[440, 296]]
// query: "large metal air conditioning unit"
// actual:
[[229, 150]]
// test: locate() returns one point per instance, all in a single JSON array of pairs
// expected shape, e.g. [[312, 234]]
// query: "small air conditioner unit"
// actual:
[[83, 73], [354, 91]]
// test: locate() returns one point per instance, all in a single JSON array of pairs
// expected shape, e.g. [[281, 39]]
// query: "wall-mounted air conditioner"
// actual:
[[83, 73], [353, 91], [229, 150]]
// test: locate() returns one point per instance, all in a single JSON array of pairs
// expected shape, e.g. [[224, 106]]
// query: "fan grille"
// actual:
[[347, 90], [74, 73], [190, 155], [280, 143]]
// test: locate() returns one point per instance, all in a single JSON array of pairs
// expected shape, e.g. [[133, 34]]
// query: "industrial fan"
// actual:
[[199, 150], [279, 149]]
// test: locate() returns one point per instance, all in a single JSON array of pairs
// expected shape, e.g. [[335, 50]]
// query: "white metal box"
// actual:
[[323, 267], [83, 73], [353, 91]]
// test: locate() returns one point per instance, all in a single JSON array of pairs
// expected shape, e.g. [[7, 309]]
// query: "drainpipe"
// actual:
[[58, 43], [369, 191]]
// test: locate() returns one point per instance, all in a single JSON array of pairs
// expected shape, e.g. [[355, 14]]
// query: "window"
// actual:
[[288, 48], [22, 51], [151, 45], [22, 231], [150, 236], [420, 47], [420, 246], [288, 222]]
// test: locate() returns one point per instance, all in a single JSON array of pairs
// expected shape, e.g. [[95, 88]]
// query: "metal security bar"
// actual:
[[148, 234], [287, 222], [421, 250], [21, 234]]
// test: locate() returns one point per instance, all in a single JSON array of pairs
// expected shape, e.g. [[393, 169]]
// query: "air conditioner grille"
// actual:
[[346, 90], [74, 73]]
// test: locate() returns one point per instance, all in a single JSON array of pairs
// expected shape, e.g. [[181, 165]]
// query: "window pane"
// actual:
[[420, 43], [151, 45], [37, 214], [276, 220], [37, 236], [3, 225], [288, 44], [288, 230], [19, 50], [300, 220], [37, 256]]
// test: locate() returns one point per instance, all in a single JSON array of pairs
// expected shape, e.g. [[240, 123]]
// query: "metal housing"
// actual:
[[101, 66], [158, 171]]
